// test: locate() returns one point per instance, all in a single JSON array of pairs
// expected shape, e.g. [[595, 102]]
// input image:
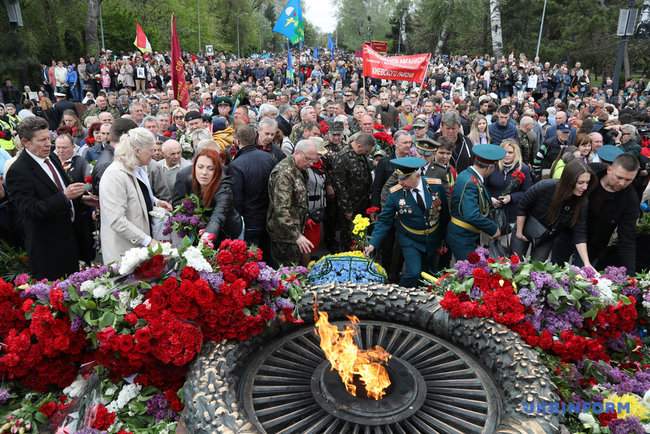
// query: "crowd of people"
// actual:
[[521, 156]]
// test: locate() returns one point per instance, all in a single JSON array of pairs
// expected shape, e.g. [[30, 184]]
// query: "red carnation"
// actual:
[[48, 409], [3, 135], [27, 305], [473, 258], [189, 273], [131, 318], [167, 133], [56, 300], [519, 176], [88, 179], [90, 140], [103, 418], [372, 210], [605, 418], [514, 259], [174, 403], [151, 269]]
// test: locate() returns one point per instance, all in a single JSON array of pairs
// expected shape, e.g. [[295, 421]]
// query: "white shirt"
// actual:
[[420, 192]]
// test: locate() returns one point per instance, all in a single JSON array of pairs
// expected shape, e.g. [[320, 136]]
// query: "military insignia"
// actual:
[[434, 181], [394, 188], [474, 180]]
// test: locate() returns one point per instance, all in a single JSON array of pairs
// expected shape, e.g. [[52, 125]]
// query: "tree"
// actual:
[[92, 15], [495, 27]]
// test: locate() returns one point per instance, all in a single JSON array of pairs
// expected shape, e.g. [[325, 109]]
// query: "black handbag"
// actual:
[[537, 232]]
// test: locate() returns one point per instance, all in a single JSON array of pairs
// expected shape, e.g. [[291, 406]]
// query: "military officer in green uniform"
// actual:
[[470, 203], [417, 207]]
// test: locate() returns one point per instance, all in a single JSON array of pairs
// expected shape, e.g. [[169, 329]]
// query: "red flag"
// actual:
[[403, 68], [179, 85], [141, 41]]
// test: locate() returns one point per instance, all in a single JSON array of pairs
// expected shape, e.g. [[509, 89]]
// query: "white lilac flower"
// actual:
[[195, 259], [100, 291], [75, 389], [127, 393], [589, 422], [605, 289], [136, 301], [646, 398], [168, 250], [132, 258], [87, 286]]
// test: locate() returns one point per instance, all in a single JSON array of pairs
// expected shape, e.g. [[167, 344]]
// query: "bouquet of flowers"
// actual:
[[516, 180], [383, 138], [187, 219], [360, 226]]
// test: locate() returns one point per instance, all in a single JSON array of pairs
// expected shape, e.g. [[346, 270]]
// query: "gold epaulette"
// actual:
[[394, 188], [434, 181]]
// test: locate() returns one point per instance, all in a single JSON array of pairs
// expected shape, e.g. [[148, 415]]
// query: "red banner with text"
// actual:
[[177, 69], [401, 68]]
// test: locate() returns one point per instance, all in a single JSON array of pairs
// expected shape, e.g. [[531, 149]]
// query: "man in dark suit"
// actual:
[[44, 200]]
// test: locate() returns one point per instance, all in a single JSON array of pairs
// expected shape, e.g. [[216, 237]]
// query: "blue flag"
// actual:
[[330, 45], [290, 70], [290, 22], [316, 53]]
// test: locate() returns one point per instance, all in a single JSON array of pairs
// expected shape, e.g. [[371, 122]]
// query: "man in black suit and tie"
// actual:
[[44, 201]]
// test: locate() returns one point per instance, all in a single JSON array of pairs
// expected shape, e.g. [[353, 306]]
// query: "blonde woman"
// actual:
[[479, 133], [178, 122], [126, 198], [508, 183]]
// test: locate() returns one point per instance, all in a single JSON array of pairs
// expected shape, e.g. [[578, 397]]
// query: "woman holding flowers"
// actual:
[[552, 215], [214, 188], [508, 184]]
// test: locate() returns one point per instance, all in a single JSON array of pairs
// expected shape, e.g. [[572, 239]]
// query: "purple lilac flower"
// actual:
[[639, 383], [528, 296], [617, 345], [40, 290], [629, 425], [82, 276], [158, 407], [463, 269], [536, 318], [616, 274], [90, 431], [541, 279], [76, 324], [589, 272], [188, 205], [284, 303], [475, 293], [214, 279], [557, 322], [4, 395]]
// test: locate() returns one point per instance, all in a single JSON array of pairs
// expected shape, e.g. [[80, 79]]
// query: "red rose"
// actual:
[[151, 269], [48, 409], [88, 179], [131, 318]]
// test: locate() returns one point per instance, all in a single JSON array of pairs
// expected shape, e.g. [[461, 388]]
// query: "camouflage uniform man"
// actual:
[[288, 209], [101, 105], [352, 183], [333, 145]]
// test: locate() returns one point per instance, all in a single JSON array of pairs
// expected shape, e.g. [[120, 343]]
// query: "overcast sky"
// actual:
[[321, 13]]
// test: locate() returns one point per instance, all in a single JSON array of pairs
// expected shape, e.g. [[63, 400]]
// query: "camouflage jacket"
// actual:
[[95, 111], [287, 213], [352, 180]]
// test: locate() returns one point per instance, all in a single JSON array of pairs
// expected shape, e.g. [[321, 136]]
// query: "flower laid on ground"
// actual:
[[588, 328], [126, 334]]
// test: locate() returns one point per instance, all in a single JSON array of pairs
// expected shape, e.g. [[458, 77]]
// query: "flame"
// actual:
[[350, 360]]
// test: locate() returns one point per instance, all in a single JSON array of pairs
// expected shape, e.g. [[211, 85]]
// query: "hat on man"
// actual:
[[426, 146], [488, 153], [564, 128], [191, 115], [419, 123], [300, 99], [59, 94], [405, 166], [223, 100], [218, 123], [337, 127], [608, 153]]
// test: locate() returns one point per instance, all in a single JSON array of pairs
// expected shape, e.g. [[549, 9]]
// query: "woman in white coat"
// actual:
[[125, 196]]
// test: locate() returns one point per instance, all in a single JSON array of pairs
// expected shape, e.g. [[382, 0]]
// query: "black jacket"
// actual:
[[536, 202], [614, 211], [46, 216], [383, 171], [250, 171], [225, 221], [461, 156]]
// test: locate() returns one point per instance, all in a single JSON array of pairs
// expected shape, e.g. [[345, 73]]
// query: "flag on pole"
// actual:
[[141, 42], [290, 22], [178, 70], [330, 45], [290, 70]]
